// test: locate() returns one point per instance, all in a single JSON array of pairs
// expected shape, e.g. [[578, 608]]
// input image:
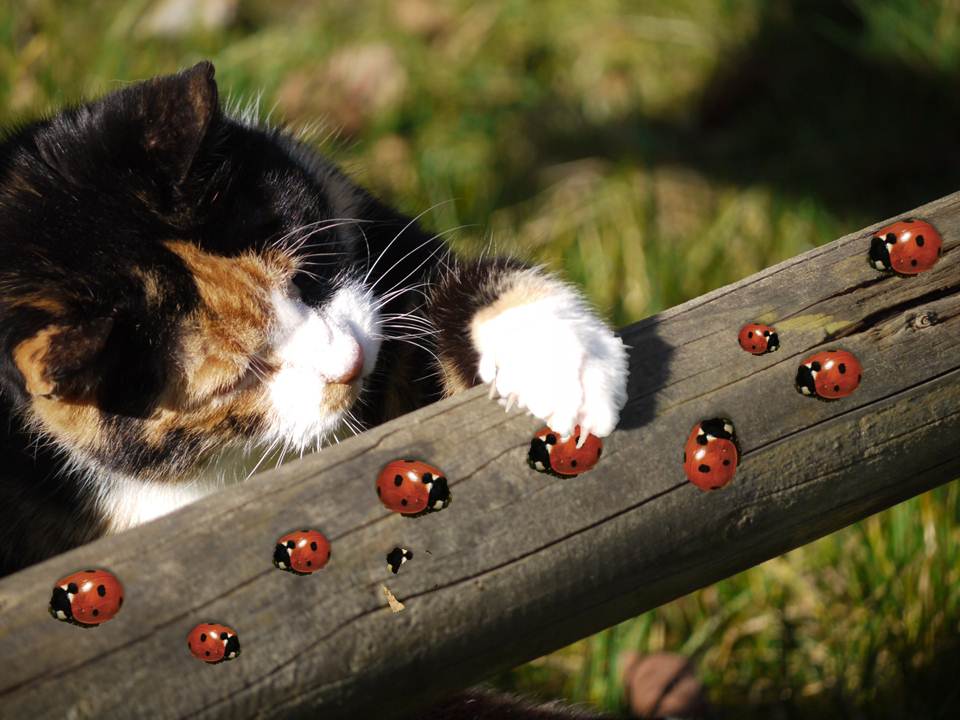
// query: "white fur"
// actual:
[[559, 361], [128, 502], [313, 348]]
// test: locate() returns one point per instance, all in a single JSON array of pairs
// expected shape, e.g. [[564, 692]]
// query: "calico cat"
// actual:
[[176, 282]]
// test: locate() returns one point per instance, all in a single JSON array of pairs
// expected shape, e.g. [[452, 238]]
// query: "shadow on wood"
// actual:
[[521, 563]]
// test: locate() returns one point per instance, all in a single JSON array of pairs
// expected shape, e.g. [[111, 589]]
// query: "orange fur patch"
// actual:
[[30, 357], [233, 321]]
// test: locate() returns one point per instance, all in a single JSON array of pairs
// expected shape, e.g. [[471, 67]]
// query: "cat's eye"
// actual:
[[252, 375]]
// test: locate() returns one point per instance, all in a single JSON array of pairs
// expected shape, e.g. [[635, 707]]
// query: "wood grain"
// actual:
[[521, 563]]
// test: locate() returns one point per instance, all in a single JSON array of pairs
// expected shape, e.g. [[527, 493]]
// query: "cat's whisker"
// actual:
[[266, 453], [397, 236], [415, 289], [312, 226], [427, 259]]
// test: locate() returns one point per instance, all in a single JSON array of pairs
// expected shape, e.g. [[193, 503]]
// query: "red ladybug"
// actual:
[[907, 247], [551, 454], [213, 643], [829, 375], [412, 487], [87, 598], [710, 455], [302, 552], [758, 339]]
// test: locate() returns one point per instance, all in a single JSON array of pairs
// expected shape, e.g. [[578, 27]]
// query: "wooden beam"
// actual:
[[521, 563]]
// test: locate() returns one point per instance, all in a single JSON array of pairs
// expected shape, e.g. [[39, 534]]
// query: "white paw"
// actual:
[[556, 358]]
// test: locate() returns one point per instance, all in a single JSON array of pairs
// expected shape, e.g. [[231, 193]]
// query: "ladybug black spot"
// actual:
[[919, 239], [815, 366], [403, 502], [726, 462], [766, 333], [398, 480], [573, 463], [203, 638], [913, 263], [207, 653], [72, 588], [704, 468], [891, 238], [95, 612], [836, 388], [842, 367], [576, 439], [313, 546], [309, 563], [101, 590], [551, 439], [753, 347], [189, 646], [701, 439], [290, 544], [427, 478], [750, 334]]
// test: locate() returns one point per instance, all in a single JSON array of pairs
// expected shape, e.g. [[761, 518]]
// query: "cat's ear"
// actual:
[[176, 112], [62, 361]]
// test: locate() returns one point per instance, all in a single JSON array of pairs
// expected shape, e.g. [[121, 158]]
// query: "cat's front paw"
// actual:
[[556, 358]]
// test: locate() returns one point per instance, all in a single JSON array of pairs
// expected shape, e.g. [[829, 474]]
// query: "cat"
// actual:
[[176, 283]]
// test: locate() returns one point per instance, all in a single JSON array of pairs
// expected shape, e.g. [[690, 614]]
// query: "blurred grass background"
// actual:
[[652, 150]]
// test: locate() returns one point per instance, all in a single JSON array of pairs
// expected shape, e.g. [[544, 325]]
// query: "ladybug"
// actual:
[[397, 557], [213, 643], [302, 552], [829, 375], [412, 487], [711, 454], [87, 598], [758, 339], [551, 454], [907, 247]]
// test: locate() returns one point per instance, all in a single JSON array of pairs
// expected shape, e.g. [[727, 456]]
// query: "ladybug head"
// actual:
[[879, 254], [718, 427], [60, 605], [773, 342], [281, 557], [439, 494], [806, 381], [538, 457], [232, 648]]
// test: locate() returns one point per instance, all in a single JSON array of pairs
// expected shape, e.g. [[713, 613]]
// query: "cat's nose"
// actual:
[[351, 367]]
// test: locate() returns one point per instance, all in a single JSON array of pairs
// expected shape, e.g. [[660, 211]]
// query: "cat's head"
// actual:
[[173, 280]]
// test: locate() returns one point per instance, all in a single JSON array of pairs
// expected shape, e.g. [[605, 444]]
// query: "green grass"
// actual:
[[651, 151]]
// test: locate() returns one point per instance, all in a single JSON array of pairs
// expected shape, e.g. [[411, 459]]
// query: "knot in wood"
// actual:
[[924, 320]]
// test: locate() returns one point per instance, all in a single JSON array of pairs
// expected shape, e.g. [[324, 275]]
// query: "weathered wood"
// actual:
[[520, 563]]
